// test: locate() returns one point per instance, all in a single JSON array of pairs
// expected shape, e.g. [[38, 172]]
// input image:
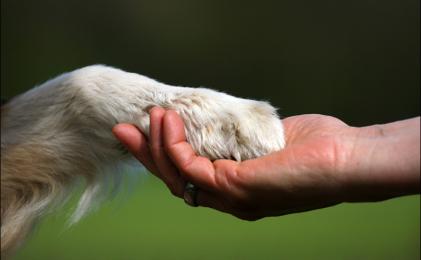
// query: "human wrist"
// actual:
[[382, 161]]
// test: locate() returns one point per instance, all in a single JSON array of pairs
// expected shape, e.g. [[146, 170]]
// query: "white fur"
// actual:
[[71, 117]]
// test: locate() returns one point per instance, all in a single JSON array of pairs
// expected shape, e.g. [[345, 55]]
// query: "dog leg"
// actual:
[[61, 130]]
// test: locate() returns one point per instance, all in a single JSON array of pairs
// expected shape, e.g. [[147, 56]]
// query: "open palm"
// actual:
[[300, 177]]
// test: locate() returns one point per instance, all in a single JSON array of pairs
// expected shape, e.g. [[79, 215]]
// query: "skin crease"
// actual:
[[325, 162]]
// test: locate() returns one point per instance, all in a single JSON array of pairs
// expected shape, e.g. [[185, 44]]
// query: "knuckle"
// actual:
[[226, 175], [186, 166]]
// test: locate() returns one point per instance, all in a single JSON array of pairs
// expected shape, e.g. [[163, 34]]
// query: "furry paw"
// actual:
[[218, 126]]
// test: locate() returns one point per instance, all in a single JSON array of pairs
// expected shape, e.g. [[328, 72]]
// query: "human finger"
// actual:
[[136, 143], [196, 169], [168, 172], [222, 203]]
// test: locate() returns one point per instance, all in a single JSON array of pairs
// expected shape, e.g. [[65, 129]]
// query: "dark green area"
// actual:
[[356, 60]]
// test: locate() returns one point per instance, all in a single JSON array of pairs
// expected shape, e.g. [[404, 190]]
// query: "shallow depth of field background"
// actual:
[[356, 60]]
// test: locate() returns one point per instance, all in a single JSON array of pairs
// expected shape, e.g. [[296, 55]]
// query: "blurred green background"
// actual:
[[356, 60]]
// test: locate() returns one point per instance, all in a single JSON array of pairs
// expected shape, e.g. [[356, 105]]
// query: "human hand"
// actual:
[[314, 170]]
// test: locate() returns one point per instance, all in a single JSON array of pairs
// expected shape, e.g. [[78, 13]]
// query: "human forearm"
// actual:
[[384, 161]]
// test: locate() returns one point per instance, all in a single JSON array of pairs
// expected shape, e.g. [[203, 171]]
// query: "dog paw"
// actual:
[[220, 126]]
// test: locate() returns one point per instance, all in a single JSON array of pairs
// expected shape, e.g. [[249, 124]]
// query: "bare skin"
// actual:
[[325, 162]]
